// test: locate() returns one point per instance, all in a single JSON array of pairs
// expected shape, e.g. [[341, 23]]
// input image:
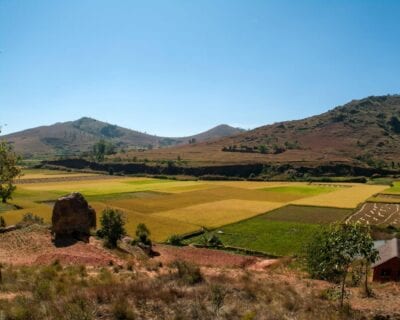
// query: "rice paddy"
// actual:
[[177, 207]]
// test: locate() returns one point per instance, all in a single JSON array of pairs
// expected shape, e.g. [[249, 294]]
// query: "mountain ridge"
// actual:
[[73, 137], [364, 131]]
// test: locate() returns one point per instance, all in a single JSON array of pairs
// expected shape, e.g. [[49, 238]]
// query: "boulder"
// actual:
[[72, 216]]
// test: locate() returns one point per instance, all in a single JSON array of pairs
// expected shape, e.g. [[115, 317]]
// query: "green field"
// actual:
[[283, 231], [278, 238], [177, 207]]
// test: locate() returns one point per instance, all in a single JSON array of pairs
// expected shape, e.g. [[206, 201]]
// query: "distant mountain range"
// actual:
[[365, 131], [74, 137]]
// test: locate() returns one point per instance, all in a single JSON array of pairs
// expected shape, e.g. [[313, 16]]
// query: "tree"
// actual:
[[333, 250], [8, 171], [112, 227]]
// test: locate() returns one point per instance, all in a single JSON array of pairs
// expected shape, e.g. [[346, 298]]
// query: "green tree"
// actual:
[[9, 170], [333, 250], [112, 227], [99, 150]]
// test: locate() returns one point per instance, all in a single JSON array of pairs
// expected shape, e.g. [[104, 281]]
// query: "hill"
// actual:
[[74, 137], [365, 132]]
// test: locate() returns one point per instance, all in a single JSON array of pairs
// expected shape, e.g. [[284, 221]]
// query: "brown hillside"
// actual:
[[72, 138], [365, 131]]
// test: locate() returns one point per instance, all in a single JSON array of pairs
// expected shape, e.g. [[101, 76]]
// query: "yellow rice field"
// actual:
[[344, 197]]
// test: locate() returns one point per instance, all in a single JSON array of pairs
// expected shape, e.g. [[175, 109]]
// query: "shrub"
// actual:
[[112, 227], [29, 219], [218, 294], [189, 273], [122, 311], [175, 240], [143, 234]]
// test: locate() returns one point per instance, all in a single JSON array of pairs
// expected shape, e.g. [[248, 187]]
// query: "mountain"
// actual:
[[74, 137], [365, 131]]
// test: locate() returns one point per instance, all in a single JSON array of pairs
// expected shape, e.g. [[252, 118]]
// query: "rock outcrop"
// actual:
[[72, 216]]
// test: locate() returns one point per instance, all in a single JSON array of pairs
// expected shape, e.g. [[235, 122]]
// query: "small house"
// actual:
[[387, 268]]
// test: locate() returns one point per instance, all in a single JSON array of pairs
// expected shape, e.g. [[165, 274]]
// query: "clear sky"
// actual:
[[174, 68]]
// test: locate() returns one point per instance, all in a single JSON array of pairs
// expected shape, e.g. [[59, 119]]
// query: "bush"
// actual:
[[112, 227], [29, 219], [143, 234], [175, 240], [211, 240], [122, 311], [189, 273]]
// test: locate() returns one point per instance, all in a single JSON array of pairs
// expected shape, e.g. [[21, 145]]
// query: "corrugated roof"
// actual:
[[389, 250]]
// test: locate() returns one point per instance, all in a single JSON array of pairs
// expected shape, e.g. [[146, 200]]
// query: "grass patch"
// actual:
[[395, 188], [308, 214], [273, 237]]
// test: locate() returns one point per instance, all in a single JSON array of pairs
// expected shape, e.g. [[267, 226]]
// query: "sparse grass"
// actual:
[[55, 293]]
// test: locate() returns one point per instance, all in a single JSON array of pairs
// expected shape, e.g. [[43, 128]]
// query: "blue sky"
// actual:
[[174, 68]]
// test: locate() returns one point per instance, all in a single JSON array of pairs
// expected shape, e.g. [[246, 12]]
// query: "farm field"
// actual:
[[45, 174], [343, 197], [282, 232], [383, 214], [308, 214], [178, 207]]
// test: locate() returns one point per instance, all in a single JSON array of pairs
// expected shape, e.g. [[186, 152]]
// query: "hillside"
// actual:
[[365, 131], [74, 137]]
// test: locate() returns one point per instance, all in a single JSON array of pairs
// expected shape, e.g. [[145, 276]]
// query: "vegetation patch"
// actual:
[[279, 238], [308, 214]]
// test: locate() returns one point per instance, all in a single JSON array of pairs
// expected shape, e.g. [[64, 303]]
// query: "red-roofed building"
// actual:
[[387, 268]]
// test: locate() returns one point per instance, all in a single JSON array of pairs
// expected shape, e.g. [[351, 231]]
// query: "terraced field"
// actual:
[[176, 207], [383, 214]]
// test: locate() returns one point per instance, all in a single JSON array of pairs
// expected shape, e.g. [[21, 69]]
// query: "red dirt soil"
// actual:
[[34, 245], [208, 257]]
